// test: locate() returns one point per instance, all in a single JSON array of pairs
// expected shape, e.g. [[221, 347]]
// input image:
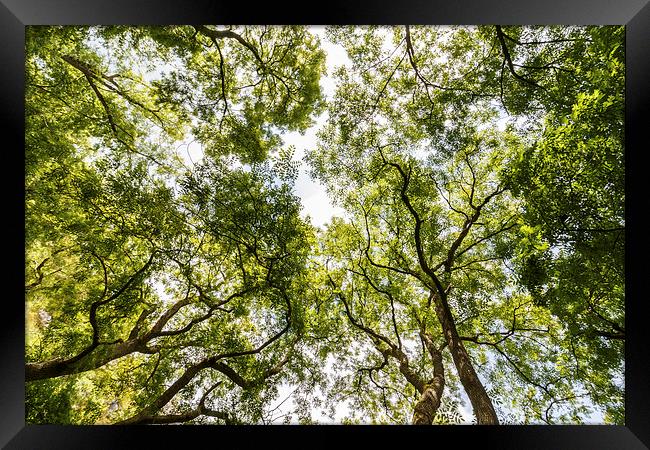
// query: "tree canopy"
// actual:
[[479, 265]]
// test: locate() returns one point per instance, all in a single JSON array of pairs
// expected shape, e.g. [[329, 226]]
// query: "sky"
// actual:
[[315, 202], [314, 199], [313, 196]]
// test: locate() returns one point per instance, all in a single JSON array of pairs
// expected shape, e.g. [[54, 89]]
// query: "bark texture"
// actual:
[[431, 394], [481, 403], [98, 357]]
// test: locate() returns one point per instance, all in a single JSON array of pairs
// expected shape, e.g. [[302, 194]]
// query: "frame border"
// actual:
[[635, 14]]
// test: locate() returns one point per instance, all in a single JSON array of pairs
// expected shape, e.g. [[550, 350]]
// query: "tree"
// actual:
[[129, 287], [440, 198]]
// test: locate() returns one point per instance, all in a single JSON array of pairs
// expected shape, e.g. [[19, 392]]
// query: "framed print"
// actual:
[[332, 225]]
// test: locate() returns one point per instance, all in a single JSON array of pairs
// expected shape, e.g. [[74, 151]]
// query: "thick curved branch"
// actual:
[[512, 363], [508, 59], [406, 178], [109, 83], [481, 403], [263, 345], [222, 74], [58, 366], [91, 77], [359, 325], [200, 410], [393, 350], [618, 331], [447, 200], [399, 270], [212, 362], [392, 303], [169, 393], [92, 357], [425, 81], [157, 329], [228, 34], [486, 237], [39, 270], [103, 300]]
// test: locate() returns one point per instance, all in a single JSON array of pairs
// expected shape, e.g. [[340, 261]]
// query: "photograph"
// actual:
[[325, 224]]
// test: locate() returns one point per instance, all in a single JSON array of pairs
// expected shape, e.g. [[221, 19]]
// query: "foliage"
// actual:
[[479, 266], [140, 270]]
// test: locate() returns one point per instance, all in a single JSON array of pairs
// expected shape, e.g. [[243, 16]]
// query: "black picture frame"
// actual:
[[16, 14]]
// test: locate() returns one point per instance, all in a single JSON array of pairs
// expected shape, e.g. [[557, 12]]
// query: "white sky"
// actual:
[[312, 194]]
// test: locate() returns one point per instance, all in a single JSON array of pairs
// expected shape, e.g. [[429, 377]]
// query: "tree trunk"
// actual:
[[481, 403], [427, 406]]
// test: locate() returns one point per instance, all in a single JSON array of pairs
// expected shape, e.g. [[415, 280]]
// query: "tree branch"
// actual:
[[222, 34], [506, 55]]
